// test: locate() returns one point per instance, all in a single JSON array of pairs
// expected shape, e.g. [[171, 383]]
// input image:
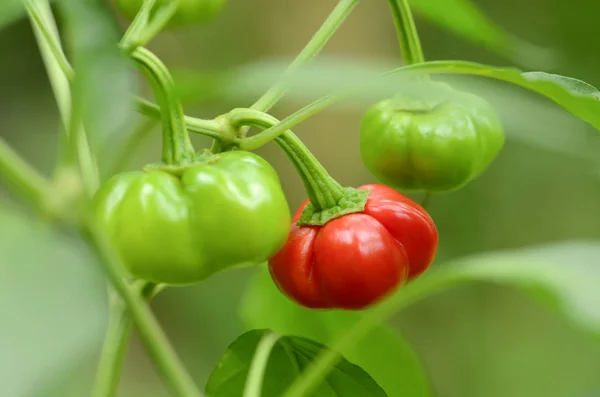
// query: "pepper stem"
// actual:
[[328, 199], [177, 147]]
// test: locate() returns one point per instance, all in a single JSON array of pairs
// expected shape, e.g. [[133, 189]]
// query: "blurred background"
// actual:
[[476, 341]]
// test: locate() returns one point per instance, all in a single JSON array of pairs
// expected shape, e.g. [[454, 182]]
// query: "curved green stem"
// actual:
[[115, 344], [410, 44], [139, 23], [274, 131], [312, 48], [51, 39], [170, 367], [161, 17], [323, 191], [256, 373], [177, 147], [211, 128]]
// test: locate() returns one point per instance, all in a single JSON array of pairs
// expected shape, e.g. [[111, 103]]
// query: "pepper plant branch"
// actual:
[[312, 48], [74, 138], [157, 344], [50, 38], [58, 79], [323, 191], [143, 28], [160, 19], [116, 342], [408, 37], [211, 128], [138, 24], [176, 142]]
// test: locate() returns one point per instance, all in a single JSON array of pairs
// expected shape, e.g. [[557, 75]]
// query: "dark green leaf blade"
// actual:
[[53, 302], [104, 80], [383, 353], [289, 357]]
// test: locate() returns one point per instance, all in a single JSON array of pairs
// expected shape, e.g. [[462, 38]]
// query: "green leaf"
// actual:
[[104, 81], [577, 97], [383, 353], [53, 303], [465, 19], [563, 276], [289, 357], [325, 76]]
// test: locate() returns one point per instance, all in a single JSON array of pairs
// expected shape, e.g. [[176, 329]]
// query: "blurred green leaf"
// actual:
[[465, 19], [104, 81], [325, 76], [383, 353], [565, 277], [53, 304], [289, 357]]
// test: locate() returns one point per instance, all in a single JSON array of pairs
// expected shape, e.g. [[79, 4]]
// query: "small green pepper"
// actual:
[[188, 11], [437, 141], [227, 211]]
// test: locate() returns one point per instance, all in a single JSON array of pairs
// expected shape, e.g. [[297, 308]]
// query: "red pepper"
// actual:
[[355, 260]]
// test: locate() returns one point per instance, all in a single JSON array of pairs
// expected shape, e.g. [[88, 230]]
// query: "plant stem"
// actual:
[[60, 72], [256, 373], [324, 191], [58, 80], [314, 46], [264, 137], [26, 180], [139, 23], [170, 367], [410, 44], [161, 17], [115, 344], [113, 352], [211, 128], [49, 38], [177, 147]]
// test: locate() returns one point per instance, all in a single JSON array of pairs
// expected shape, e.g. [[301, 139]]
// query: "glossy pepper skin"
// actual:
[[436, 144], [188, 12], [357, 259], [229, 211]]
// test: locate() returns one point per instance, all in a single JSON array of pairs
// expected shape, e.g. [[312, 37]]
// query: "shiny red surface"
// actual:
[[356, 260]]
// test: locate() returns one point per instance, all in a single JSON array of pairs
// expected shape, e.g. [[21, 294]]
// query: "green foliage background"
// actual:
[[474, 341]]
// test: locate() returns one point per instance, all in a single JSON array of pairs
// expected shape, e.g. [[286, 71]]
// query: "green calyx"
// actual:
[[352, 200], [328, 199]]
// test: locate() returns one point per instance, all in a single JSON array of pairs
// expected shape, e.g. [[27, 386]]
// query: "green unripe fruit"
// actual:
[[437, 141]]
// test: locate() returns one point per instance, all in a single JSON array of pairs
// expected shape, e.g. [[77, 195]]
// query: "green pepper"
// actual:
[[188, 11], [437, 141], [226, 211]]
